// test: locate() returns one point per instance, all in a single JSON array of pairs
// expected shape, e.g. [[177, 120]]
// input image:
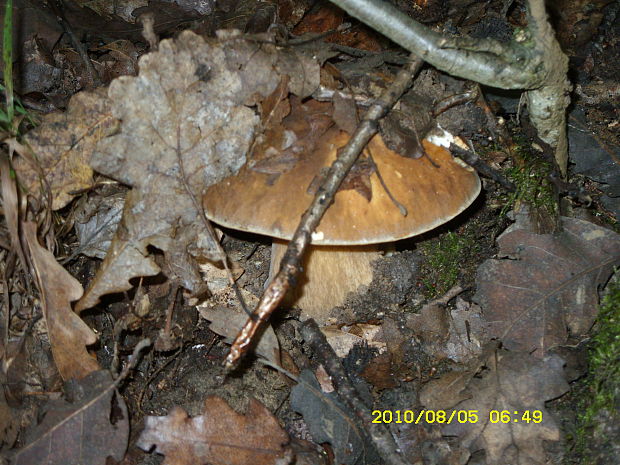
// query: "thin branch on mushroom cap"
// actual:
[[433, 190]]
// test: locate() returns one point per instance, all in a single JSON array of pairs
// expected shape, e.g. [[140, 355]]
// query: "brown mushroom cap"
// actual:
[[432, 196]]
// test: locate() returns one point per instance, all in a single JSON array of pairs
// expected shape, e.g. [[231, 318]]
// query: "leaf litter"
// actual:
[[220, 436], [68, 334], [87, 429], [187, 121], [188, 113], [545, 292], [511, 382]]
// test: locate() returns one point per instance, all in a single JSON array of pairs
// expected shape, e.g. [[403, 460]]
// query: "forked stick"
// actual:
[[290, 264]]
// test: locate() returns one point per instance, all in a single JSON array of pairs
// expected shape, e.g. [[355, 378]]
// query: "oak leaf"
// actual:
[[55, 155], [546, 290], [187, 123], [518, 385], [220, 436], [87, 430], [330, 420]]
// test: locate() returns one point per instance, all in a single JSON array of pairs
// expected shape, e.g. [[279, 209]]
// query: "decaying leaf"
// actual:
[[457, 334], [343, 339], [467, 332], [380, 373], [56, 154], [358, 178], [293, 132], [329, 420], [228, 322], [68, 334], [96, 220], [220, 436], [187, 123], [547, 290], [517, 384], [86, 431]]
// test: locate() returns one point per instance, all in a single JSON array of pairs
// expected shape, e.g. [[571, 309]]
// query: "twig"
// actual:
[[290, 264], [474, 161], [133, 361], [154, 374], [58, 9], [221, 254], [378, 433]]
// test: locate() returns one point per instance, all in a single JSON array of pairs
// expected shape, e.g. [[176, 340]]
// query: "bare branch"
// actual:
[[490, 62], [290, 265]]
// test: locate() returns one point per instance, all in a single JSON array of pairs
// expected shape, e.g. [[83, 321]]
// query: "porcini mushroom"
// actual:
[[433, 189]]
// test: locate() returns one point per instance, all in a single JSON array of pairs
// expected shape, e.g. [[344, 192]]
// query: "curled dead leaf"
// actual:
[[68, 334]]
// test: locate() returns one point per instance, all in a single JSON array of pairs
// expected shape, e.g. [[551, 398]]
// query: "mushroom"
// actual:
[[433, 189]]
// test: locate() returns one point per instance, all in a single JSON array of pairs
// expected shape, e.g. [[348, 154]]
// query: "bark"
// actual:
[[532, 61]]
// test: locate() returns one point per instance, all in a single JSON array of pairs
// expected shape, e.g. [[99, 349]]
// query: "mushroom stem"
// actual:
[[329, 274]]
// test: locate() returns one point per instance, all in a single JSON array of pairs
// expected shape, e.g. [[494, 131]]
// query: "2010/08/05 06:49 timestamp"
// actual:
[[459, 416]]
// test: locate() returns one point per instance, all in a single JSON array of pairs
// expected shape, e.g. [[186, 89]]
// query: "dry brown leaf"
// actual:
[[55, 155], [68, 334], [290, 138], [220, 436], [343, 339], [227, 322], [330, 420], [187, 123], [518, 384], [457, 334], [380, 373], [547, 291], [86, 431], [96, 220]]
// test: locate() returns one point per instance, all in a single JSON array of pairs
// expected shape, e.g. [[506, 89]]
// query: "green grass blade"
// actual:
[[7, 58]]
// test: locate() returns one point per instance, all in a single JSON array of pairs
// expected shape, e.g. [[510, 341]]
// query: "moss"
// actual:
[[600, 408], [531, 175], [445, 257]]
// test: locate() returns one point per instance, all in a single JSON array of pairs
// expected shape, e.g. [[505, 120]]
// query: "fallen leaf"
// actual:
[[9, 422], [404, 128], [328, 17], [467, 332], [292, 134], [68, 334], [358, 178], [447, 391], [86, 431], [108, 10], [329, 420], [227, 322], [220, 436], [547, 290], [346, 115], [55, 155], [595, 157], [379, 372], [187, 122], [343, 339], [517, 384], [457, 334], [96, 220]]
